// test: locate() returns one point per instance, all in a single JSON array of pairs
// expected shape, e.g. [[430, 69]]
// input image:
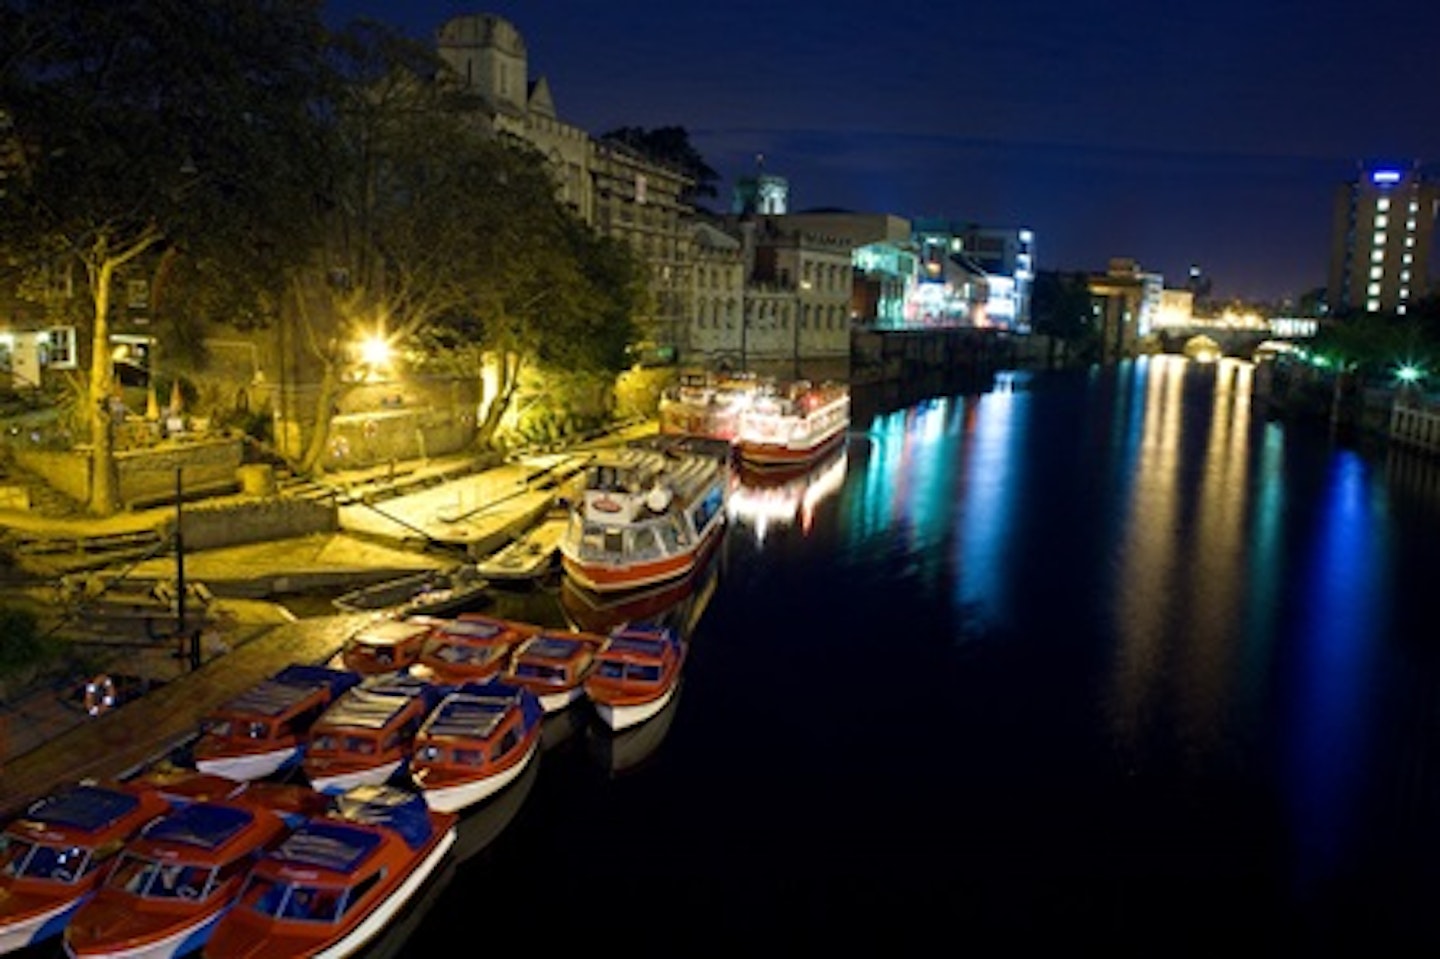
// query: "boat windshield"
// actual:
[[551, 674], [463, 654], [142, 876], [22, 858], [635, 672], [281, 900]]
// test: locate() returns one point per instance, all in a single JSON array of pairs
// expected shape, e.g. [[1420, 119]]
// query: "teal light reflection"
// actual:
[[985, 573]]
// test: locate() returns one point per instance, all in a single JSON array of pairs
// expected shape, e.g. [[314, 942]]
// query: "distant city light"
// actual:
[[1385, 176]]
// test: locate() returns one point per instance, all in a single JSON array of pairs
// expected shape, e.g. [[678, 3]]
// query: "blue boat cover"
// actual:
[[475, 710], [646, 645], [326, 844], [404, 811], [84, 807], [302, 674], [481, 628], [200, 824], [552, 647]]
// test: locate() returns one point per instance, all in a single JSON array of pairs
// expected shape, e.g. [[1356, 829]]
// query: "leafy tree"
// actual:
[[149, 131], [441, 235], [671, 146], [1061, 308]]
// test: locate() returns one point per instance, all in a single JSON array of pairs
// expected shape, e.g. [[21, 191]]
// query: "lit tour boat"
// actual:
[[792, 426], [55, 854], [336, 882], [705, 404], [263, 730], [635, 675], [644, 516], [475, 743]]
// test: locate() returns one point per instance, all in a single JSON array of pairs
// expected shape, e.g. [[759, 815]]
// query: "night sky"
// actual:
[[1175, 133]]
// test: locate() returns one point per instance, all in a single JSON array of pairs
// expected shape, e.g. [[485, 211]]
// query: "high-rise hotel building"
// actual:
[[1384, 223]]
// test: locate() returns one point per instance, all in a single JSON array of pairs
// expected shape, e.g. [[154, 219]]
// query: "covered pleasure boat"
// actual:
[[336, 882], [367, 735], [475, 743], [645, 516], [54, 855], [263, 730], [471, 647], [635, 675], [553, 665]]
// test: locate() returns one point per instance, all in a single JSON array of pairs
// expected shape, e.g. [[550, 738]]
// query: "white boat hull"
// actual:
[[623, 717], [554, 702], [381, 915], [18, 935], [453, 798], [374, 776], [249, 767]]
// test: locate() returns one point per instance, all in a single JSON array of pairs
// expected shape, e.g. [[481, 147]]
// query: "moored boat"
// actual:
[[553, 665], [339, 879], [792, 425], [471, 647], [54, 855], [531, 555], [262, 730], [705, 404], [178, 876], [644, 516], [475, 743], [365, 737], [385, 645], [635, 675]]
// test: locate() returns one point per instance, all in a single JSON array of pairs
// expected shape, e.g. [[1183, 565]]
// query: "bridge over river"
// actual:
[[1238, 338]]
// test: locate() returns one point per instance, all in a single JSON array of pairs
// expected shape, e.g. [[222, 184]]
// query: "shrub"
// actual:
[[22, 646]]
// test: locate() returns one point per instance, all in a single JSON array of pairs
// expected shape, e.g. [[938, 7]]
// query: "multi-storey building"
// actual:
[[713, 336], [1384, 224], [884, 264], [614, 189], [973, 274], [1127, 303]]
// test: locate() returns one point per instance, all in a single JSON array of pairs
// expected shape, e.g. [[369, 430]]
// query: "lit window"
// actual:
[[1409, 241], [1404, 292], [1410, 225], [1414, 206], [1382, 204], [1400, 308], [60, 348], [1373, 289], [1408, 258], [1381, 221], [1372, 305], [1380, 238], [1377, 256], [1375, 272], [1404, 276]]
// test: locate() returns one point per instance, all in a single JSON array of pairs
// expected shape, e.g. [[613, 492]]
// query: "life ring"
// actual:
[[99, 695]]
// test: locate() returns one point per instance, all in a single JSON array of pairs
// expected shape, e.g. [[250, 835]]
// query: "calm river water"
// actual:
[[1101, 658]]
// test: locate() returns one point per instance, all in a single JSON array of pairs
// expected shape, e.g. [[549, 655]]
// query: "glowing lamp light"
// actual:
[[1385, 176], [375, 351], [1409, 373]]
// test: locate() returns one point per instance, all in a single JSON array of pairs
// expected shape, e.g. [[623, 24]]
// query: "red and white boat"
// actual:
[[470, 648], [475, 743], [366, 736], [338, 880], [263, 730], [385, 646], [635, 675], [705, 404], [553, 665], [644, 516], [793, 425], [54, 855], [173, 881]]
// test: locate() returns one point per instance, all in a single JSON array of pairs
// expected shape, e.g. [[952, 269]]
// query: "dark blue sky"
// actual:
[[1172, 132]]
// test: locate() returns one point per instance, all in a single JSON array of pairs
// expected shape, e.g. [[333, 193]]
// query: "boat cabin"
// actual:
[[385, 646], [471, 647]]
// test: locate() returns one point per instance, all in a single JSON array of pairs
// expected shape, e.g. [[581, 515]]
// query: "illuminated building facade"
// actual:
[[1383, 228], [884, 265], [972, 275], [1127, 304]]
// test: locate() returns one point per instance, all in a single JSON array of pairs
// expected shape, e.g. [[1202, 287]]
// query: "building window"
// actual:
[[1377, 256], [1380, 238], [1382, 204], [1373, 289], [1375, 272], [1381, 221], [60, 348], [1372, 305]]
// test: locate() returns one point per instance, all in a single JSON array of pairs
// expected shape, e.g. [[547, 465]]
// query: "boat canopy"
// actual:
[[476, 628], [85, 807], [203, 825], [327, 845], [310, 677], [366, 709], [552, 647], [404, 811]]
